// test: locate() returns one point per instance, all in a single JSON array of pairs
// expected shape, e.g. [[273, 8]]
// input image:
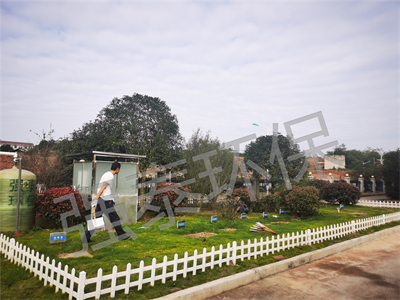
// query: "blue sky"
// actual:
[[220, 66]]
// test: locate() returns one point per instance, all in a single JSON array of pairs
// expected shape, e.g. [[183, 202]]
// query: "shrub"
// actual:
[[171, 194], [227, 208], [303, 201], [345, 193], [268, 203], [325, 191], [243, 194], [46, 208]]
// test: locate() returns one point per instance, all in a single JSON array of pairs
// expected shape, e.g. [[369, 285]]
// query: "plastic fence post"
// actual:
[[81, 285], [11, 250], [164, 270], [194, 262], [228, 252], [98, 283], [58, 270], [128, 278], [212, 256], [174, 274], [46, 270], [153, 271], [255, 248], [141, 271], [64, 285], [185, 264], [203, 266], [71, 285], [234, 246], [242, 250], [221, 248], [41, 267]]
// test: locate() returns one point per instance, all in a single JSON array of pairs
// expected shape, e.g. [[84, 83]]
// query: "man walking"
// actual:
[[105, 204]]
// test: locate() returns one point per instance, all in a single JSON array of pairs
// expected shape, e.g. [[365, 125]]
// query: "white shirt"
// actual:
[[107, 178]]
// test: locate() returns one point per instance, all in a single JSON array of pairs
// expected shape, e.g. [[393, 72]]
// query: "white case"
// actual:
[[95, 223]]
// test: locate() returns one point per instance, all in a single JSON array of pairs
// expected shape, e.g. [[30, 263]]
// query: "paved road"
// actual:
[[368, 272]]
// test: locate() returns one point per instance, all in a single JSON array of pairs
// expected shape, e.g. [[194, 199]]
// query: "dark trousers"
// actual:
[[107, 207]]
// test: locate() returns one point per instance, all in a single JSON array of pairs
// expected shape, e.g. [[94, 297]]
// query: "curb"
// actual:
[[218, 286]]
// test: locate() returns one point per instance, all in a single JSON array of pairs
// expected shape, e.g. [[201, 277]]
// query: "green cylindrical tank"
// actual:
[[9, 197]]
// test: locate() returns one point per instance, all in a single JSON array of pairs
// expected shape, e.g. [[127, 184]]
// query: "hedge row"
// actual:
[[305, 200]]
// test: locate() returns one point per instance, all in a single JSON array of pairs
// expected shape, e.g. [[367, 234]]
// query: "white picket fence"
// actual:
[[377, 203], [67, 282]]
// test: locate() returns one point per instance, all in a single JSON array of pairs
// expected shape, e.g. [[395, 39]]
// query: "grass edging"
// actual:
[[227, 283]]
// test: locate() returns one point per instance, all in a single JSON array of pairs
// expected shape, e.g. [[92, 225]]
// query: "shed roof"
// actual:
[[106, 154]]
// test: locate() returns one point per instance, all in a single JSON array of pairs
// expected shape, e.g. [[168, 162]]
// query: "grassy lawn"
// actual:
[[16, 283]]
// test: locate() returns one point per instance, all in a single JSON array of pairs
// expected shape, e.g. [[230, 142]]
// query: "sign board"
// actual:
[[243, 216], [214, 219], [180, 224], [265, 215], [281, 211], [58, 237]]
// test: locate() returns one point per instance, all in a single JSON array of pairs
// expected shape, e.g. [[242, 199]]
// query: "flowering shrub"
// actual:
[[303, 201], [172, 196], [45, 207], [268, 203]]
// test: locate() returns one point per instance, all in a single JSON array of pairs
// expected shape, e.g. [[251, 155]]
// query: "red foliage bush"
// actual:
[[339, 191], [171, 194], [46, 208]]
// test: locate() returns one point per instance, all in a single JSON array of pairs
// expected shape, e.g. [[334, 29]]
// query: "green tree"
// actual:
[[137, 124], [390, 170], [6, 148], [338, 150], [259, 152], [365, 164], [201, 143]]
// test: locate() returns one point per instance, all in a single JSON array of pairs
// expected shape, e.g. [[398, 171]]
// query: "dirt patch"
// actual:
[[201, 234], [229, 229], [279, 257], [277, 223], [359, 213], [70, 255]]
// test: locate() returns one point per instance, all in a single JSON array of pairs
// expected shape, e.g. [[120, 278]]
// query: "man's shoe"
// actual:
[[127, 238], [89, 241]]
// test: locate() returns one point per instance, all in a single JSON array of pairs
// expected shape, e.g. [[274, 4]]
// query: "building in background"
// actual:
[[17, 145]]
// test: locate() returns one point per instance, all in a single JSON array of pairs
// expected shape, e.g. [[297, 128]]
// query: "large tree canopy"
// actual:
[[259, 152], [136, 124]]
